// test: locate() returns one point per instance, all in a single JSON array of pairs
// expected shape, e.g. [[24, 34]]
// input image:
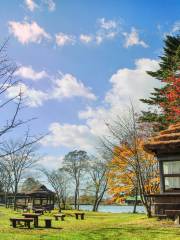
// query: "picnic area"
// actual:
[[95, 226]]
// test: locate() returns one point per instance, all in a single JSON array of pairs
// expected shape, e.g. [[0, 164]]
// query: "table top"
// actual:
[[59, 214], [28, 219], [31, 214]]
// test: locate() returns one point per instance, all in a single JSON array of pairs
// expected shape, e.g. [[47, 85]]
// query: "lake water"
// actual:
[[114, 209]]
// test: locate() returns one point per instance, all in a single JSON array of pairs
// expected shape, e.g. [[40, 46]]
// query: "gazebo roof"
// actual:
[[167, 141], [40, 191]]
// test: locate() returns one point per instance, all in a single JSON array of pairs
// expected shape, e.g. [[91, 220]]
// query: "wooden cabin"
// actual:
[[40, 197], [166, 147]]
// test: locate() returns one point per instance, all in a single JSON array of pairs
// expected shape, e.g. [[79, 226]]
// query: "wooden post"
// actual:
[[14, 223], [48, 223], [162, 183], [28, 224], [35, 221]]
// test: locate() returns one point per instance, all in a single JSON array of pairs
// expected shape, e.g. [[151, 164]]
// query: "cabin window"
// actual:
[[172, 183], [171, 172], [172, 167]]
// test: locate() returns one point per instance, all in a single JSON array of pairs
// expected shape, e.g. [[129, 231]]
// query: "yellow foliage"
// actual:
[[125, 166]]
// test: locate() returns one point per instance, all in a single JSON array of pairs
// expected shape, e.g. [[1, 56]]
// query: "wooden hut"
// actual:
[[40, 197], [166, 146]]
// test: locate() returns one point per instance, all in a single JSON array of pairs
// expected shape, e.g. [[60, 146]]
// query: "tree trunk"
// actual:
[[15, 197], [97, 204], [94, 205], [100, 197], [75, 198], [59, 203], [78, 200], [148, 209], [64, 203], [5, 199], [135, 203]]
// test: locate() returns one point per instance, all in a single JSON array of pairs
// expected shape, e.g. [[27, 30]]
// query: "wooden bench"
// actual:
[[57, 216], [77, 214], [26, 221], [48, 222]]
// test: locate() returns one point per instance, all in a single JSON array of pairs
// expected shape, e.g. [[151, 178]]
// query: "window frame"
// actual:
[[164, 176]]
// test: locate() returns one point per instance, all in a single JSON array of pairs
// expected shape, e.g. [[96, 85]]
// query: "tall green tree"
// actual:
[[169, 65], [76, 163]]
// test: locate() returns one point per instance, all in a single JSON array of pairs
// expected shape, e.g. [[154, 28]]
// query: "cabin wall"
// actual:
[[162, 203]]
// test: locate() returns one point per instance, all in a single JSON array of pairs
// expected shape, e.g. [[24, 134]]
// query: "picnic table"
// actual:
[[77, 214], [34, 216], [59, 215], [39, 210], [26, 221], [175, 214]]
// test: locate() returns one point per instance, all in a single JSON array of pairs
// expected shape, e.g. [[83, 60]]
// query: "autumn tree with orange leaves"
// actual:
[[132, 170], [129, 177]]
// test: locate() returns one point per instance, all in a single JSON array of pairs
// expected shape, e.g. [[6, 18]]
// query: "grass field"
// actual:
[[96, 226]]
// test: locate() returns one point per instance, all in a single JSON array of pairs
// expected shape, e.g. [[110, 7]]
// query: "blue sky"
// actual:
[[80, 62]]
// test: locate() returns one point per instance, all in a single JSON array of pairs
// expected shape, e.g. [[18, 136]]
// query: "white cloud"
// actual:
[[51, 5], [67, 86], [132, 39], [96, 119], [28, 32], [31, 96], [67, 135], [50, 162], [135, 83], [29, 73], [99, 39], [107, 24], [86, 38], [125, 83], [108, 29], [31, 5], [64, 39], [176, 27]]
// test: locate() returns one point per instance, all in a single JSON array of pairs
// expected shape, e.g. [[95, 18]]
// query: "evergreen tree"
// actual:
[[169, 64]]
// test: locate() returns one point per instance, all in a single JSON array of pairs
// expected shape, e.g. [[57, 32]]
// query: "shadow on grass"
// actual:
[[37, 228], [125, 233]]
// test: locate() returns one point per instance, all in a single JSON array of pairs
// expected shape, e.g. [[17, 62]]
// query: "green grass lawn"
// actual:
[[96, 226]]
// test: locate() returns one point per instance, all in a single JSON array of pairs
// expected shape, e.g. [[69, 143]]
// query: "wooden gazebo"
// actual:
[[40, 197], [166, 146]]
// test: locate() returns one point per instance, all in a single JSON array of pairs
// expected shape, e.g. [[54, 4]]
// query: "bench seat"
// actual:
[[27, 221], [57, 216]]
